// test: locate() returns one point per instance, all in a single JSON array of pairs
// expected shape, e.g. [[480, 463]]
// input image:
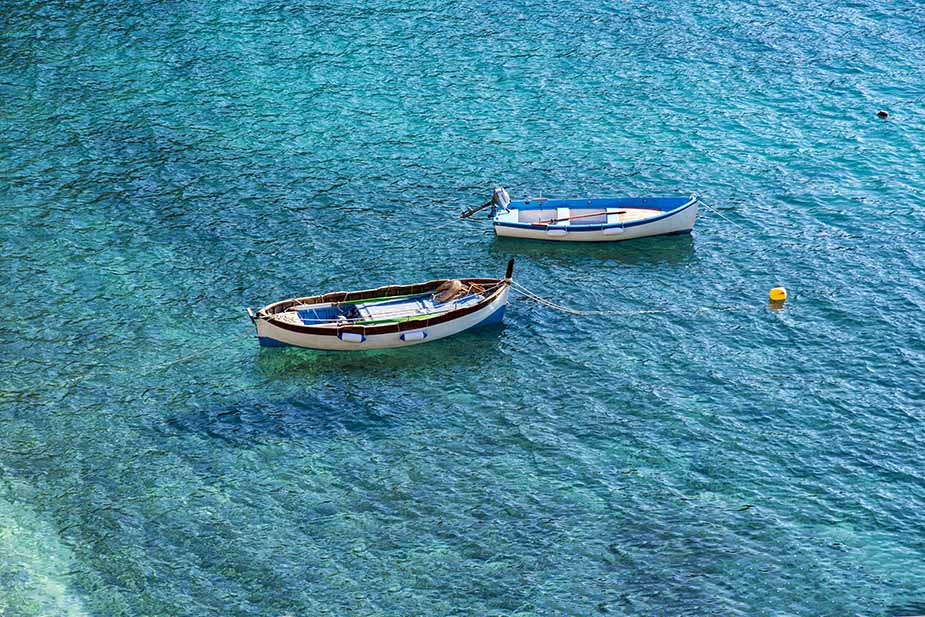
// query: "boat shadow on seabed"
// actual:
[[311, 394]]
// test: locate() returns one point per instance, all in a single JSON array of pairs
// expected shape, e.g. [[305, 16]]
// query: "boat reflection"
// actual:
[[475, 350], [667, 250]]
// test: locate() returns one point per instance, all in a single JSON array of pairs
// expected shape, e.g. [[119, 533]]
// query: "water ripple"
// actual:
[[165, 166]]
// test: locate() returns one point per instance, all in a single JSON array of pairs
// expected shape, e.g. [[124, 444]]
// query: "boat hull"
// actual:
[[679, 221], [270, 334]]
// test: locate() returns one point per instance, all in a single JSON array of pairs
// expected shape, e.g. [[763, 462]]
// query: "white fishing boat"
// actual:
[[393, 316], [590, 220]]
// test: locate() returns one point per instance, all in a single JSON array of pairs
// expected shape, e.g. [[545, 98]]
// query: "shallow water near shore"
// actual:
[[694, 452]]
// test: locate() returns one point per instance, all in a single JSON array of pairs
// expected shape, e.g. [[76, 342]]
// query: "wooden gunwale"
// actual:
[[390, 291]]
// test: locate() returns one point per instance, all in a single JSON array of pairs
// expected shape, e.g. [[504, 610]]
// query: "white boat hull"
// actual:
[[679, 222], [272, 335]]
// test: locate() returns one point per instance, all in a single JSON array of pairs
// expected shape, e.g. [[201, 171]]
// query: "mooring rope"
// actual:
[[196, 354], [529, 294], [165, 365], [565, 309], [445, 225], [720, 214]]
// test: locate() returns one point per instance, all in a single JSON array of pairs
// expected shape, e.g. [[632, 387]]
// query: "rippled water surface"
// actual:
[[163, 165]]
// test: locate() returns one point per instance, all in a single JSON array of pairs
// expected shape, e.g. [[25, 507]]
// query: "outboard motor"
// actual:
[[499, 199]]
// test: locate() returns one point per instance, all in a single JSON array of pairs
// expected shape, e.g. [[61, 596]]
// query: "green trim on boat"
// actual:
[[383, 298], [398, 320]]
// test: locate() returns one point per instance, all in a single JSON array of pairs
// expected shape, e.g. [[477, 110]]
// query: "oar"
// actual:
[[580, 216], [472, 211]]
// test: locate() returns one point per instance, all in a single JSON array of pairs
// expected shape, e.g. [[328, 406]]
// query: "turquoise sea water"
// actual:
[[163, 165]]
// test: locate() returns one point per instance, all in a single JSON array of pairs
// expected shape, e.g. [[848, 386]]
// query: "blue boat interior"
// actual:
[[393, 309], [586, 214], [318, 314]]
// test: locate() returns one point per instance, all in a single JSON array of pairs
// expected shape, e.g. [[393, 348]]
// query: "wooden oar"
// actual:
[[580, 216]]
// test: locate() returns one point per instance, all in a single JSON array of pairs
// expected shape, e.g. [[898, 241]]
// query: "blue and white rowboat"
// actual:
[[592, 220], [393, 316]]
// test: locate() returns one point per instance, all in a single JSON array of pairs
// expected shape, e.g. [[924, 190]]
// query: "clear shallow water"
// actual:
[[163, 167]]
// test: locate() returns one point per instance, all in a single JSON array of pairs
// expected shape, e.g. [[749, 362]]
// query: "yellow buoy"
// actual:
[[778, 294]]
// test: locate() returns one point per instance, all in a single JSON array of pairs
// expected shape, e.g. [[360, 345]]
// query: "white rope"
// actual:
[[529, 294], [720, 214], [166, 365], [445, 225], [565, 309], [453, 221], [161, 367]]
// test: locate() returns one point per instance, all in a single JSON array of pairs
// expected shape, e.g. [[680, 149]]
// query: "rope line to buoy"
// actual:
[[777, 295], [529, 294], [720, 214], [565, 309], [447, 224], [166, 365]]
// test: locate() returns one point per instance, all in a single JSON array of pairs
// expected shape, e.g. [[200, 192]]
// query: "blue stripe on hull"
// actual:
[[682, 232], [266, 341], [494, 318], [666, 214]]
